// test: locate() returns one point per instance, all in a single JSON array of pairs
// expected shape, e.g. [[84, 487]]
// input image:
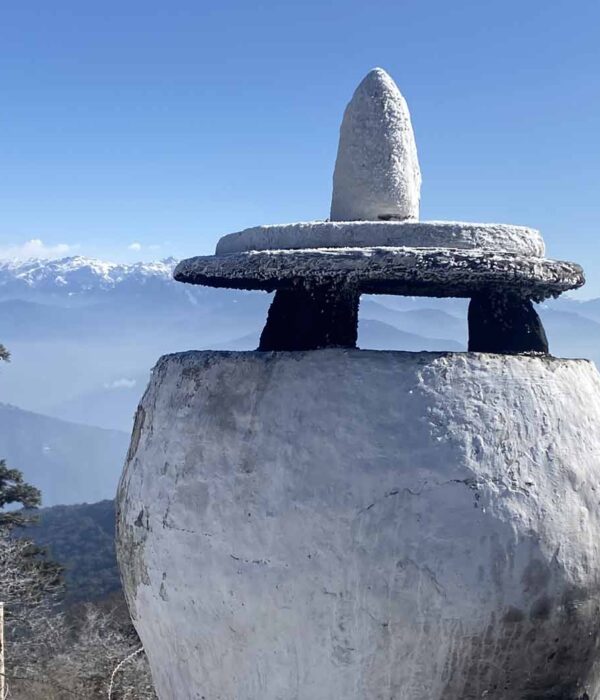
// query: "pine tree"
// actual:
[[13, 489], [30, 584]]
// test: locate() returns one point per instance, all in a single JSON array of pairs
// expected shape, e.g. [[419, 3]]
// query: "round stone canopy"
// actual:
[[440, 272], [415, 234]]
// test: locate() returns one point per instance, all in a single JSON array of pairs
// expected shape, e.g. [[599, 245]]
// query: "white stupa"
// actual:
[[312, 521]]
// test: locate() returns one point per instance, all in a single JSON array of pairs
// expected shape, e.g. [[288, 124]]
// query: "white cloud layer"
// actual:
[[34, 248], [123, 383]]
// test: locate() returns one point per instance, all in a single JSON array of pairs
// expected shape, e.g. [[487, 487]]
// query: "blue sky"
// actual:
[[137, 130]]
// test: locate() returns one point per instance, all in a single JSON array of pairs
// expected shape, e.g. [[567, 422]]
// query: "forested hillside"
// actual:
[[81, 538]]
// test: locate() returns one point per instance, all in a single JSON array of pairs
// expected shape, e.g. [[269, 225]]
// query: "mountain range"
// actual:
[[84, 335]]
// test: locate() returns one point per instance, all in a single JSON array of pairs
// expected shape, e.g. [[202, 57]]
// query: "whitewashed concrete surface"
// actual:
[[360, 525], [415, 234], [377, 173]]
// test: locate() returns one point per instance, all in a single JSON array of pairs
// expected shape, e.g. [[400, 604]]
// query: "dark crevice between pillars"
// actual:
[[505, 324], [308, 318]]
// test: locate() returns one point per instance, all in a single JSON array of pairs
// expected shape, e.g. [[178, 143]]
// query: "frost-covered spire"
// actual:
[[377, 175]]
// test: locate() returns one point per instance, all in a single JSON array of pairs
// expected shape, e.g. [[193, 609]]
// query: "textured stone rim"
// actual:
[[406, 271], [414, 234]]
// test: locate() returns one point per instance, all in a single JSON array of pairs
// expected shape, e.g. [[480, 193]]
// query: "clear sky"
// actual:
[[137, 130]]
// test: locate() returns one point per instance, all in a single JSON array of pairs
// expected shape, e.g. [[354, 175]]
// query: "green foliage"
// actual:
[[14, 490], [12, 487], [25, 571]]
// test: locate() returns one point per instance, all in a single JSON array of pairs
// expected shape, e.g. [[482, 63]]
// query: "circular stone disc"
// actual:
[[408, 271], [358, 234]]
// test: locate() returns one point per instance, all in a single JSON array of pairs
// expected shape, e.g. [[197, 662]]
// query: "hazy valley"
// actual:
[[85, 334]]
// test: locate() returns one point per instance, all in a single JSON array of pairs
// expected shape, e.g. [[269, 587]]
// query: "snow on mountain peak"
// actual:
[[77, 274]]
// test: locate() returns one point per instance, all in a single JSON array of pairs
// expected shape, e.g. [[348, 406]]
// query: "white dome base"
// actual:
[[459, 235], [360, 525]]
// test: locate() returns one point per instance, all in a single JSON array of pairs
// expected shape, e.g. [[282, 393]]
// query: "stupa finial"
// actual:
[[374, 244], [377, 175]]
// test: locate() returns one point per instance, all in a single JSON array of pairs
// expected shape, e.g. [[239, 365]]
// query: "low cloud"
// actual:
[[135, 246], [35, 248], [123, 383]]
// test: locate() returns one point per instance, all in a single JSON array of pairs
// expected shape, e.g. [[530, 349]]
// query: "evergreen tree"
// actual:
[[30, 584], [13, 489]]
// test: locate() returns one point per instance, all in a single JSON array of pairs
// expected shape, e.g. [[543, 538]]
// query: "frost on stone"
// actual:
[[274, 496], [373, 243], [377, 175], [413, 234], [439, 272]]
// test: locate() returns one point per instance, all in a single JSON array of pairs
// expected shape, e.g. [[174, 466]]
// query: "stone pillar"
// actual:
[[310, 317], [506, 324]]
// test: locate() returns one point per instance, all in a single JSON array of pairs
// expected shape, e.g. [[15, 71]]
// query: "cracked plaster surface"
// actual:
[[360, 524]]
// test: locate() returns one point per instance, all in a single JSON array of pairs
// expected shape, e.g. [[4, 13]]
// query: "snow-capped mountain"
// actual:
[[79, 276]]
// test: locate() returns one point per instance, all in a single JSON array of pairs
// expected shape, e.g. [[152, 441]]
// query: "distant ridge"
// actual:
[[68, 462]]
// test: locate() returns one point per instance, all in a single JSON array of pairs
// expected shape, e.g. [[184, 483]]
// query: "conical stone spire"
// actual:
[[377, 175]]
